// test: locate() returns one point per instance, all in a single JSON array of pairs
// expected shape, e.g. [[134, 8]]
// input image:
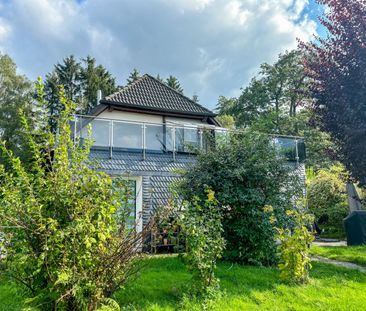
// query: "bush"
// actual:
[[294, 248], [66, 237], [202, 227], [327, 200], [246, 174]]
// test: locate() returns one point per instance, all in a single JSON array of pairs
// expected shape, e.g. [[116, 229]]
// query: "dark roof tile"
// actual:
[[148, 93]]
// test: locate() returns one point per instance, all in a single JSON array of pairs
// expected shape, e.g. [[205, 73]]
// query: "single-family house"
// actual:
[[146, 131]]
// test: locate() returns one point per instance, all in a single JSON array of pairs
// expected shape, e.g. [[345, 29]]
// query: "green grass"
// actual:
[[163, 281], [355, 254]]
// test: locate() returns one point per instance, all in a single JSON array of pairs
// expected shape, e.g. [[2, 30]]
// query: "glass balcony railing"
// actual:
[[145, 137]]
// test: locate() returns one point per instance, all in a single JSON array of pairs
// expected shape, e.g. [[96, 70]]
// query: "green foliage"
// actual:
[[15, 94], [327, 200], [134, 76], [294, 248], [62, 238], [174, 84], [80, 81], [226, 121], [202, 227], [246, 173], [271, 104]]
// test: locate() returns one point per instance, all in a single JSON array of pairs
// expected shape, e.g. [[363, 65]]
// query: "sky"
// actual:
[[214, 47]]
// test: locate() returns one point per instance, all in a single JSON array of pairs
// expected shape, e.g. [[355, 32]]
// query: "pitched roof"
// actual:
[[148, 93]]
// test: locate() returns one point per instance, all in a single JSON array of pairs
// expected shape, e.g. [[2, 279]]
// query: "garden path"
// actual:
[[338, 263]]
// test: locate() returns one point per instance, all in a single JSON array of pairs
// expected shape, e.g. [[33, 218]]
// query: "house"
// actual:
[[145, 131]]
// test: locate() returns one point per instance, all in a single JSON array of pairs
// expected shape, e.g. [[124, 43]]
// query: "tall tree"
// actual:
[[93, 78], [80, 81], [271, 104], [15, 94], [68, 73], [134, 75], [174, 84], [337, 67], [272, 97]]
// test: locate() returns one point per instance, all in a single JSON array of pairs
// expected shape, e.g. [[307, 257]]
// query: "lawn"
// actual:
[[355, 254], [163, 281]]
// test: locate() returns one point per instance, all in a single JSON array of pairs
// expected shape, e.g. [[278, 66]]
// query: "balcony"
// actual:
[[169, 138]]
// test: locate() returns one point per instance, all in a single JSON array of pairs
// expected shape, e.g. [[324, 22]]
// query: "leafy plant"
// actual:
[[246, 173], [65, 227], [327, 200], [294, 248], [202, 227]]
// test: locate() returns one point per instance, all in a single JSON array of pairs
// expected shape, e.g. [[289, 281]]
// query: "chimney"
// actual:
[[99, 96]]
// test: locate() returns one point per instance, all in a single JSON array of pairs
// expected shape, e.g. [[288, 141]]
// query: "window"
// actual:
[[131, 199]]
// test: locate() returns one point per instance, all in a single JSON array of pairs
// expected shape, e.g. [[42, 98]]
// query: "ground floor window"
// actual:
[[131, 197]]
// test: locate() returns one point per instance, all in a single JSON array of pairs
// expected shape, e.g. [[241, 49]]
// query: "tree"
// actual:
[[275, 95], [64, 224], [337, 68], [15, 94], [226, 121], [93, 78], [327, 200], [159, 78], [195, 98], [81, 81], [68, 73], [174, 84], [134, 75], [246, 174], [270, 104]]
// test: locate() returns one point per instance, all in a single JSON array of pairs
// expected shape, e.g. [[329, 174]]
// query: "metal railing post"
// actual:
[[200, 133], [143, 141], [75, 124], [297, 153], [111, 124], [173, 134]]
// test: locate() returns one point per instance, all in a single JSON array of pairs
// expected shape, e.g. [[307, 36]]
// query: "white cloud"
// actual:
[[212, 46]]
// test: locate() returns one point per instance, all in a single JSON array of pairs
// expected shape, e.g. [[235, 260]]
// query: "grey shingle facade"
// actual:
[[158, 172]]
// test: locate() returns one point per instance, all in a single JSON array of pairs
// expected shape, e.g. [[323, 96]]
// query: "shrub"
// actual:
[[294, 248], [65, 228], [327, 200], [202, 227], [246, 174]]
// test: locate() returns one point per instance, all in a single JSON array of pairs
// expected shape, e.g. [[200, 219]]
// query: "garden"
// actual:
[[164, 281], [66, 238]]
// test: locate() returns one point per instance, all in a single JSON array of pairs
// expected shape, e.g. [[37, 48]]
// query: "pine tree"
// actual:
[[134, 75], [93, 78], [174, 84]]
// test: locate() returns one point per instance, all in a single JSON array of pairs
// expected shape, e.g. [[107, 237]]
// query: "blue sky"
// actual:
[[214, 47]]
